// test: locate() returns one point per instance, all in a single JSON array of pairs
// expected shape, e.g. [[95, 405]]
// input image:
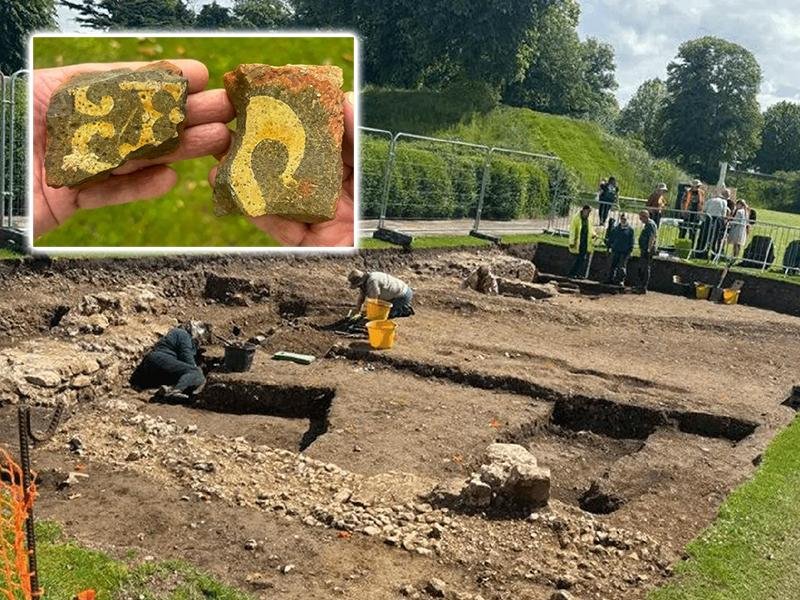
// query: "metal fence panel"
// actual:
[[13, 144]]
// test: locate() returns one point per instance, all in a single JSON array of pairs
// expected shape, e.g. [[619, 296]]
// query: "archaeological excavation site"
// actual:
[[555, 441]]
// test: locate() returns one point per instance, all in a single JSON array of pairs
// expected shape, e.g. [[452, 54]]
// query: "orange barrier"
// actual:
[[15, 505]]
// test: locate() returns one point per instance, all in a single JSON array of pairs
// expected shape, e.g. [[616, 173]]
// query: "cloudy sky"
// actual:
[[646, 35]]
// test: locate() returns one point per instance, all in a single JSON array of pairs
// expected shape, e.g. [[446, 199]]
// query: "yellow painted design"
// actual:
[[267, 119], [81, 157], [85, 106], [146, 91]]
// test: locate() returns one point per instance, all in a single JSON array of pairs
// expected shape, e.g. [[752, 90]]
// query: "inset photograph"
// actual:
[[193, 142]]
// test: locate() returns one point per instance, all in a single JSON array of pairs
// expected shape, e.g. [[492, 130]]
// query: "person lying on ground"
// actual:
[[381, 286], [621, 246], [172, 364], [482, 280]]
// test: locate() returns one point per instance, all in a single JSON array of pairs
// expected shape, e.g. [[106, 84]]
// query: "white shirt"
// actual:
[[384, 287], [716, 207]]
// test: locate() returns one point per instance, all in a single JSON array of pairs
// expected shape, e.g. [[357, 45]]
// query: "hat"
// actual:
[[696, 183], [356, 278], [199, 331], [662, 186]]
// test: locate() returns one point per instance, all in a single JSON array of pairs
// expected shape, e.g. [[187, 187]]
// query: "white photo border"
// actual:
[[110, 251]]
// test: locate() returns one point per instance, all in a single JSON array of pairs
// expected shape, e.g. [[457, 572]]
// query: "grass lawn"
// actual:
[[5, 254], [780, 218], [452, 241], [751, 550], [184, 217], [67, 568]]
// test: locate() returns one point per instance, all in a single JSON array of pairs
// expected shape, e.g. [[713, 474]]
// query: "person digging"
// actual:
[[382, 286], [172, 364]]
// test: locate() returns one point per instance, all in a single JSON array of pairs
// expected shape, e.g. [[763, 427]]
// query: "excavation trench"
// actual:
[[574, 412], [270, 400]]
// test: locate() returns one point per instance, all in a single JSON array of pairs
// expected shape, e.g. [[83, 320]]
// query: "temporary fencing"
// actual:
[[13, 100], [16, 504], [433, 185]]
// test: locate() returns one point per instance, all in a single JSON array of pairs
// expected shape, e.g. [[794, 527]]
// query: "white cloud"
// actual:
[[646, 35]]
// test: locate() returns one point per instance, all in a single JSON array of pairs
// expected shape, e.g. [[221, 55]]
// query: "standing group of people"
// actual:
[[620, 242]]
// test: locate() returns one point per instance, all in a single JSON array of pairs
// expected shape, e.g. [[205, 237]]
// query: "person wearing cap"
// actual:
[[716, 210], [620, 243], [694, 200], [382, 286], [171, 365], [657, 202]]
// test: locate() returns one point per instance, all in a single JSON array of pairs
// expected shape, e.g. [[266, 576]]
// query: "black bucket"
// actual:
[[239, 358]]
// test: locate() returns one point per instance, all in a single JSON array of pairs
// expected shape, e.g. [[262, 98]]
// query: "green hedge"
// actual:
[[428, 182], [781, 193]]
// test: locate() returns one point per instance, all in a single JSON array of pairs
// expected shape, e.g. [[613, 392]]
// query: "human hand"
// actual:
[[205, 133], [339, 231]]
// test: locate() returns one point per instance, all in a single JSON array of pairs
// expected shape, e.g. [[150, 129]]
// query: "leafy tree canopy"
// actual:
[[18, 19], [641, 117], [565, 75], [780, 142], [711, 112]]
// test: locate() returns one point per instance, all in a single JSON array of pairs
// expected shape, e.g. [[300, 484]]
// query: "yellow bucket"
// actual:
[[702, 290], [378, 310], [381, 334], [730, 296]]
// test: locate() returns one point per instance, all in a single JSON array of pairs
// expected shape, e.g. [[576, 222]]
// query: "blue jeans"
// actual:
[[401, 306]]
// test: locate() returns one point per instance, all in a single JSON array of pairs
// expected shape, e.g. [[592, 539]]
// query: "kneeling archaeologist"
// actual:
[[382, 286], [171, 364]]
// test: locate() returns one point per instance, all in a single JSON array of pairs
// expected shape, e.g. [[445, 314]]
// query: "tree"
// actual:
[[711, 112], [213, 16], [564, 75], [780, 141], [407, 43], [260, 14], [641, 117], [132, 14], [17, 21]]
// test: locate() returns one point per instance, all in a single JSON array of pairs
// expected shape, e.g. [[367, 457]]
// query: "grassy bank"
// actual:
[[751, 550], [67, 568], [586, 149]]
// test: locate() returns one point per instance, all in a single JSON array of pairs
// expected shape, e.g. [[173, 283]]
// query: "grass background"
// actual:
[[184, 217], [67, 568], [751, 550]]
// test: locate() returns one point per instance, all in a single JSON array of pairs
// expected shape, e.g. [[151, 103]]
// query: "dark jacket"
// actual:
[[620, 241], [648, 237], [608, 193], [178, 344]]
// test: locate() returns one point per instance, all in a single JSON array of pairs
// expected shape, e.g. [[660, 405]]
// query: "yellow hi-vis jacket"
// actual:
[[575, 235]]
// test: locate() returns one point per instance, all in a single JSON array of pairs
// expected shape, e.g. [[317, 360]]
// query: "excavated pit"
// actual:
[[604, 454], [269, 400], [578, 413]]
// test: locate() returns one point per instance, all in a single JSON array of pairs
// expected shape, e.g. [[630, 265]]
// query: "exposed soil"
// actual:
[[648, 410]]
